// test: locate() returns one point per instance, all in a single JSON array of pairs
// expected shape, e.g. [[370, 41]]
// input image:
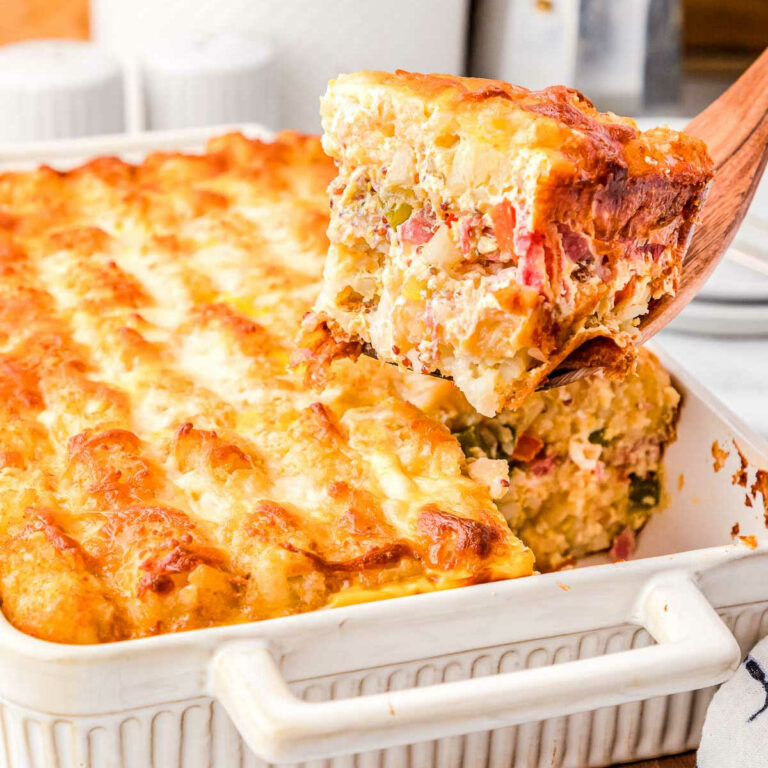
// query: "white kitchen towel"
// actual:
[[735, 731]]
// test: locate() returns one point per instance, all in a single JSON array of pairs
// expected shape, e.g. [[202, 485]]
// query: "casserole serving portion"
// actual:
[[484, 231], [164, 468]]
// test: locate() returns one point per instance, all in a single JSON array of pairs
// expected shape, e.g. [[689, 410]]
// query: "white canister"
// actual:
[[208, 80], [532, 43], [55, 89], [314, 41], [597, 46]]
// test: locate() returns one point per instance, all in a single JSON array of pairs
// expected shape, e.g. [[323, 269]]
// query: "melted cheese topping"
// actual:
[[162, 466]]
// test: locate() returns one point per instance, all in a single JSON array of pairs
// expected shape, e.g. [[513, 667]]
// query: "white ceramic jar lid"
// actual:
[[208, 80], [52, 89]]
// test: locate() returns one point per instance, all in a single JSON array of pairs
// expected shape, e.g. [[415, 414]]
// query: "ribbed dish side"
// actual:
[[198, 733]]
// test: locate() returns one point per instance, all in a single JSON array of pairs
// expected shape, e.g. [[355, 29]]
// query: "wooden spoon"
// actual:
[[735, 128]]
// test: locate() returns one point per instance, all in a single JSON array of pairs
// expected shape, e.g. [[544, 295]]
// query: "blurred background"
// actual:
[[631, 56], [76, 68]]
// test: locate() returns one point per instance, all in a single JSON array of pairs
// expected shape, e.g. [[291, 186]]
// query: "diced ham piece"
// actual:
[[639, 252], [527, 447], [655, 249], [623, 545], [533, 263], [531, 273], [604, 270], [504, 218], [542, 466], [576, 246], [419, 228], [466, 231]]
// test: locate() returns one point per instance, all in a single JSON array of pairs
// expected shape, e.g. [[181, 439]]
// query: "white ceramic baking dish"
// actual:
[[586, 667]]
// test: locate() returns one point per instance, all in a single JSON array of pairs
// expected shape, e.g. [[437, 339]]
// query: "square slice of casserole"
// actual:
[[484, 231]]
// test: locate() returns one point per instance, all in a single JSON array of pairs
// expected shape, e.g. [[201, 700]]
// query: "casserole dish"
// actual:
[[556, 670]]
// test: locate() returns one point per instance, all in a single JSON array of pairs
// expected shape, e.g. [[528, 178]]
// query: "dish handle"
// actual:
[[694, 649]]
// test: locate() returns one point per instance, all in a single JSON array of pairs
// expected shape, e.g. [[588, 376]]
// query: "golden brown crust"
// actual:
[[48, 584], [162, 468], [599, 144]]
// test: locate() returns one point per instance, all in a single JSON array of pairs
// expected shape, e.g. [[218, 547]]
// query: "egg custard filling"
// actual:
[[483, 231]]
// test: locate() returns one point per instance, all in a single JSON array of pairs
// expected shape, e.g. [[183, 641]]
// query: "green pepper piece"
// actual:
[[467, 439], [644, 492], [598, 437], [487, 440]]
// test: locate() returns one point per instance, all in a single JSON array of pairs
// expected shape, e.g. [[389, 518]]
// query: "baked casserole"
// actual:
[[574, 470], [163, 467], [484, 231]]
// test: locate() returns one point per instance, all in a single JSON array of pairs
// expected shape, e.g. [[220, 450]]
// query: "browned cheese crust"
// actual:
[[162, 468]]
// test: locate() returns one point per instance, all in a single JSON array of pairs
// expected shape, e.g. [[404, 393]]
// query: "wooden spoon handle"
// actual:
[[735, 128]]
